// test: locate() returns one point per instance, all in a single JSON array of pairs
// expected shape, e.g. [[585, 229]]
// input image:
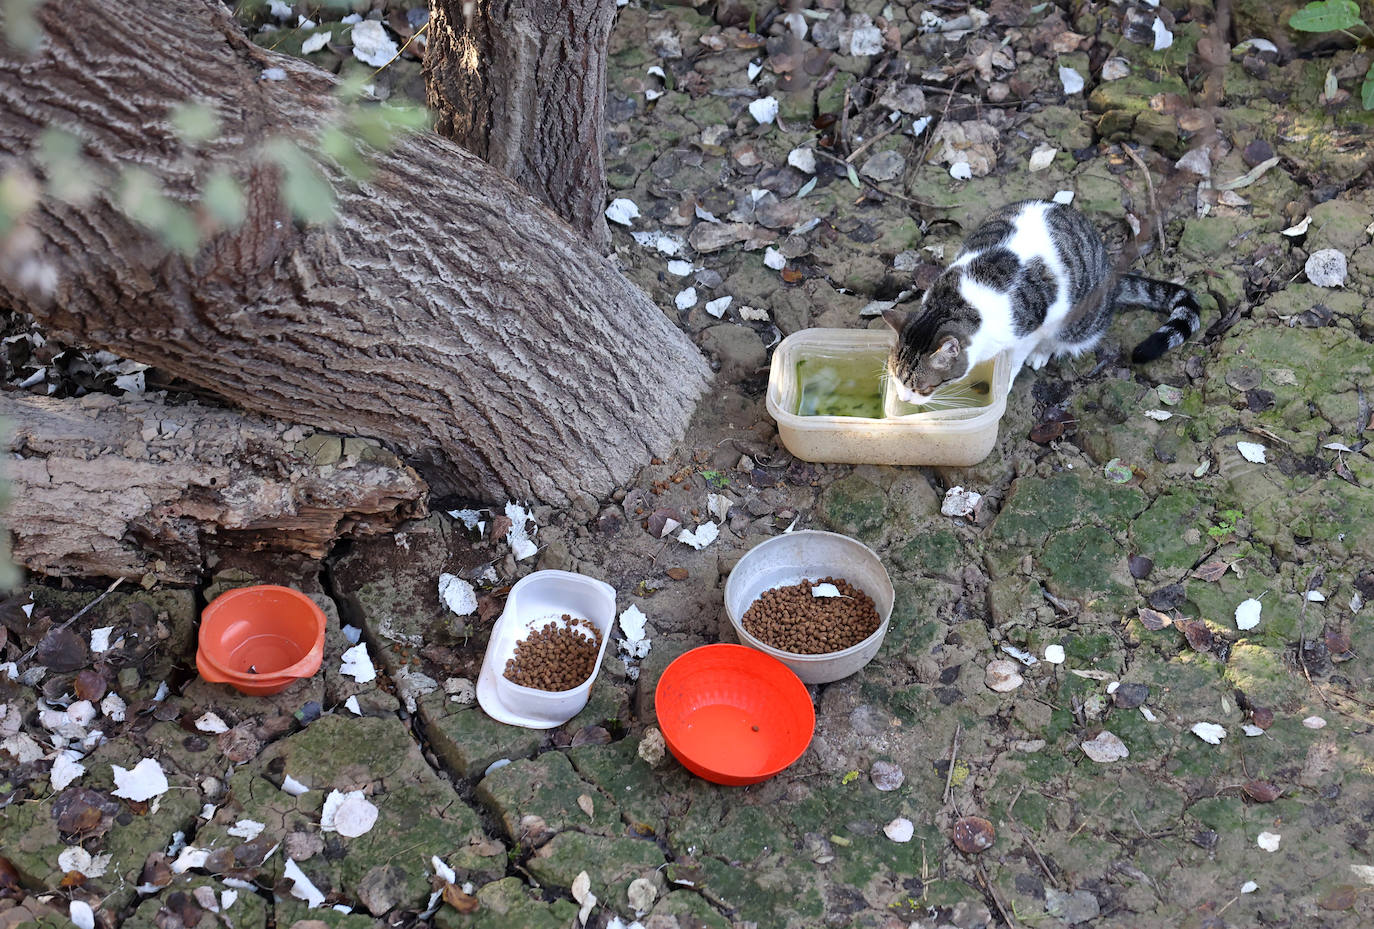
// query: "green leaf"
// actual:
[[224, 199], [307, 193], [1367, 89], [139, 195], [853, 176], [1327, 16], [806, 188], [194, 122]]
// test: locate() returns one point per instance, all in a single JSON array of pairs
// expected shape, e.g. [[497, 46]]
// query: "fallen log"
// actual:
[[107, 487]]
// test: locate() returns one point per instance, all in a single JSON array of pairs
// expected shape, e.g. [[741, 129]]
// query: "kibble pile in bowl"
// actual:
[[556, 656], [795, 620]]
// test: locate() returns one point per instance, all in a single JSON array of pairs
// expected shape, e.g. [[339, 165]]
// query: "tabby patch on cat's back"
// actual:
[[1019, 284]]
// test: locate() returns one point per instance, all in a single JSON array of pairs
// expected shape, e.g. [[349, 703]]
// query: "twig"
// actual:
[[877, 138], [1087, 819], [987, 886], [1158, 225], [930, 130], [953, 750], [79, 613]]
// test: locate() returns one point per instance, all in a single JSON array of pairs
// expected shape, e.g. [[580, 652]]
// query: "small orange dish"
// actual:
[[732, 714], [260, 639]]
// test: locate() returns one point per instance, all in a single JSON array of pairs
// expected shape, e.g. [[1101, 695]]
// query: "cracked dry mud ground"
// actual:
[[1168, 835]]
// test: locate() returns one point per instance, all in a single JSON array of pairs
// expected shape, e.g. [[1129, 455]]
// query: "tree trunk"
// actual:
[[101, 487], [442, 310], [522, 85]]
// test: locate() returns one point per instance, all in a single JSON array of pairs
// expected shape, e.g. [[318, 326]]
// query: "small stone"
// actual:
[[1130, 696], [1326, 268], [1002, 676], [973, 834], [1076, 907], [1140, 566], [900, 830]]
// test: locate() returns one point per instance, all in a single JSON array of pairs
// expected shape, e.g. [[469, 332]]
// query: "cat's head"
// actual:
[[932, 341]]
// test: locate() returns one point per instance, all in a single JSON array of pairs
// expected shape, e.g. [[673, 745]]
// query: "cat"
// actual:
[[1013, 286]]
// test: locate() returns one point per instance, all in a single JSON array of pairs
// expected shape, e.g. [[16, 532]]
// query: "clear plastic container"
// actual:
[[956, 437], [809, 555], [535, 600]]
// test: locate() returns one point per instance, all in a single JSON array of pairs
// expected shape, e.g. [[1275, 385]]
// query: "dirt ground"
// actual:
[[1162, 760]]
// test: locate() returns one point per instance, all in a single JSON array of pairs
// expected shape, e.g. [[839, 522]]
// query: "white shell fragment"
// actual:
[[1251, 451], [303, 888], [144, 782], [960, 502], [1063, 196], [686, 298], [803, 159], [718, 306], [635, 644], [209, 722], [1054, 654], [1001, 676], [316, 42], [83, 917], [701, 537], [1297, 228], [1314, 722], [246, 829], [1316, 596], [1326, 268], [457, 594], [1210, 733], [1071, 79], [358, 665], [371, 44], [1269, 841], [100, 639], [900, 829], [623, 211], [1251, 730], [1107, 747], [764, 110], [1248, 614], [1163, 37], [961, 171], [349, 814], [518, 535], [292, 786], [825, 590]]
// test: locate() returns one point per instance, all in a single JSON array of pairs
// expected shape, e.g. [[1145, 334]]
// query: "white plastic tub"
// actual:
[[534, 601], [809, 555], [957, 437]]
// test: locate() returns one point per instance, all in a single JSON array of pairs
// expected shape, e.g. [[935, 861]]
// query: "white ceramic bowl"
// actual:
[[809, 555], [535, 600]]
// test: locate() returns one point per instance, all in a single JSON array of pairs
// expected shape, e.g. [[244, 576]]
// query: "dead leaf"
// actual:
[[80, 810], [73, 879], [1153, 620], [89, 685], [9, 880], [973, 834], [1261, 716], [1197, 634], [792, 275], [157, 870], [1262, 791], [1338, 644], [1211, 571], [463, 903], [678, 574], [1339, 898], [585, 803], [1046, 432]]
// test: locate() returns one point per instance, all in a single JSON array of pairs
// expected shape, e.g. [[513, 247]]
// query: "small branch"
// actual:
[[953, 750], [77, 615]]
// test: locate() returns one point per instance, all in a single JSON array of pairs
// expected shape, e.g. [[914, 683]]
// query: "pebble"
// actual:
[[886, 775]]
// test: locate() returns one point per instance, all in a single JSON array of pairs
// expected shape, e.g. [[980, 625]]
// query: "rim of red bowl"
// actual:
[[305, 667], [800, 697]]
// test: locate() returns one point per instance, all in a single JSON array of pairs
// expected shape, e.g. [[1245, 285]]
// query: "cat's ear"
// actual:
[[942, 359], [894, 318]]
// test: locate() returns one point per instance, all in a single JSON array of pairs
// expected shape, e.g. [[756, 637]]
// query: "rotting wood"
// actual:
[[106, 488]]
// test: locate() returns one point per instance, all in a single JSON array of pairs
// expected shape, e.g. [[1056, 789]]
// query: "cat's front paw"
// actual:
[[1038, 360]]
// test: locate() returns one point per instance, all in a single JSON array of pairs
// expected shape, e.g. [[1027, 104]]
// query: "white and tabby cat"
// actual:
[[1014, 285]]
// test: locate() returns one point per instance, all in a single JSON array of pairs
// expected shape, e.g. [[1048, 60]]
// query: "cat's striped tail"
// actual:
[[1185, 316]]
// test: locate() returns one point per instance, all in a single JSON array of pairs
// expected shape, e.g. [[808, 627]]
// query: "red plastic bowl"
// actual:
[[732, 714], [260, 639]]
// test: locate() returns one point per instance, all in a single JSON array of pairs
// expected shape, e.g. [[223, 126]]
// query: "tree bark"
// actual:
[[522, 85], [442, 310], [102, 487]]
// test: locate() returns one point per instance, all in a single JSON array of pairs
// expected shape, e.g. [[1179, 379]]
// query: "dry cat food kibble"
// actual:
[[558, 656], [795, 620]]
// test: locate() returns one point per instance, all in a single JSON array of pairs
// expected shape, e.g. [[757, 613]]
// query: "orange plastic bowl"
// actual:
[[260, 639], [732, 714]]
